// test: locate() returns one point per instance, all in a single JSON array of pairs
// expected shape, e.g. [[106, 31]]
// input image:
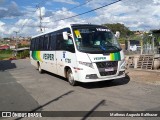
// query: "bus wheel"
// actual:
[[39, 68], [71, 78]]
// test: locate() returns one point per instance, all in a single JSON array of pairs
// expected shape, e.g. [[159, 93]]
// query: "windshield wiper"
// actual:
[[113, 46], [105, 49]]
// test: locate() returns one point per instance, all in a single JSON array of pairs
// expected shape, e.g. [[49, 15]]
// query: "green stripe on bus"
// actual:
[[115, 56], [36, 55]]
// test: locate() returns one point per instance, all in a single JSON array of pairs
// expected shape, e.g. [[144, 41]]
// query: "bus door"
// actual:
[[65, 54], [51, 63], [60, 62]]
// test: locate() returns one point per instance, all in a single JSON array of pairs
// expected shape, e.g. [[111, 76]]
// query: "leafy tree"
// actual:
[[21, 46], [23, 54], [124, 31], [7, 38], [8, 51]]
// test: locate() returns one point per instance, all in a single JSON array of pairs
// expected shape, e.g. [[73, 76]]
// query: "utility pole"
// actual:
[[16, 42], [142, 43], [45, 26], [40, 18], [153, 48]]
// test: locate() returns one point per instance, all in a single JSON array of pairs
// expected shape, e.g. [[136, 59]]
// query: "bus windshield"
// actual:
[[95, 39]]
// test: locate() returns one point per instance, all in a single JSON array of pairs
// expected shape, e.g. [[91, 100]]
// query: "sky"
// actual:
[[22, 16]]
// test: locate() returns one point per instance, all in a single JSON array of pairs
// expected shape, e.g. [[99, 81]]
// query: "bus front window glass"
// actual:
[[95, 39]]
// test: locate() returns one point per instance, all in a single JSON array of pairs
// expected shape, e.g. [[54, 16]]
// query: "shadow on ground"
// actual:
[[40, 108], [6, 64], [101, 84], [13, 96]]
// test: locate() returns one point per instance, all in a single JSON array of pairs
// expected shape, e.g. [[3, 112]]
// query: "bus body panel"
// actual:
[[46, 59], [65, 59]]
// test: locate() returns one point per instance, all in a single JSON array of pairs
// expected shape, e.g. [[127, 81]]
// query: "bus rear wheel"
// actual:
[[70, 78]]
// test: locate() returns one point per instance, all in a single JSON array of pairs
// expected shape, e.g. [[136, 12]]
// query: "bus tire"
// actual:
[[70, 78], [40, 69]]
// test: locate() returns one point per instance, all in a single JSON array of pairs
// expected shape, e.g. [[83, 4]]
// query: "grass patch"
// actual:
[[6, 51], [5, 56]]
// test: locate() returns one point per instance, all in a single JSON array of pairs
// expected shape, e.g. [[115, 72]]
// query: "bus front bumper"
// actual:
[[93, 77]]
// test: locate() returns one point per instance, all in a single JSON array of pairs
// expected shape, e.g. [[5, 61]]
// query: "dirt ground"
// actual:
[[146, 76]]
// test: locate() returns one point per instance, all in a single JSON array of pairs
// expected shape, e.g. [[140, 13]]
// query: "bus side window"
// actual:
[[59, 41], [36, 43], [68, 45], [32, 44], [40, 45], [51, 44], [45, 42]]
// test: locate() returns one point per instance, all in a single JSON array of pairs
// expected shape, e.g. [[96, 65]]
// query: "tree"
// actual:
[[124, 31]]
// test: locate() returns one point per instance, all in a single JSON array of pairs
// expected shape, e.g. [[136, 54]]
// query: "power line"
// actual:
[[40, 17], [40, 3], [88, 11], [37, 7], [18, 31], [80, 5], [77, 14], [43, 1], [77, 6]]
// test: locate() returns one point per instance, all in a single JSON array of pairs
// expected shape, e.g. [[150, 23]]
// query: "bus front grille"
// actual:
[[107, 68]]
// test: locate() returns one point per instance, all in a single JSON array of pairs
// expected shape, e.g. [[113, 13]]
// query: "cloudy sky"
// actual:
[[23, 15]]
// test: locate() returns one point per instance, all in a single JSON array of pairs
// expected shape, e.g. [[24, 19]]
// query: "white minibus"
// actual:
[[79, 52]]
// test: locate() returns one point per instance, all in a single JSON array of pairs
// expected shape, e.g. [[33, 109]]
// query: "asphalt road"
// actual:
[[22, 88]]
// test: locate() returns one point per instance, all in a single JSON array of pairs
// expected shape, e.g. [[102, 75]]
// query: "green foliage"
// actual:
[[147, 38], [7, 38], [4, 54], [8, 51], [124, 31], [158, 39], [122, 40], [21, 46], [23, 54], [135, 37]]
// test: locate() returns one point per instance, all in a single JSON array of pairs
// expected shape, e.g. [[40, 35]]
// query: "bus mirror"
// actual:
[[65, 35], [117, 35]]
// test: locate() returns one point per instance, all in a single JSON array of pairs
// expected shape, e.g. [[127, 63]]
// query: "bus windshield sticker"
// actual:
[[84, 30], [102, 29], [78, 35]]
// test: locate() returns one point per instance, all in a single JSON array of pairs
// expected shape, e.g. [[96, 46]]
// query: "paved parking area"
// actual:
[[22, 88]]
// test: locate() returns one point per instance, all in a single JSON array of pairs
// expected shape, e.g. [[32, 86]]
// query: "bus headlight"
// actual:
[[86, 64], [123, 64]]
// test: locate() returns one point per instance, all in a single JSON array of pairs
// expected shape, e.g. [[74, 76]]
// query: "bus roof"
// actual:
[[69, 25]]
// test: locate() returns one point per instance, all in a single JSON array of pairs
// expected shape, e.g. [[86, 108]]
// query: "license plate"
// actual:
[[109, 69]]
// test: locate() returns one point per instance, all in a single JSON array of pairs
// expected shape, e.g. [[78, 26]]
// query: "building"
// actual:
[[133, 45], [24, 42], [156, 40], [4, 47]]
